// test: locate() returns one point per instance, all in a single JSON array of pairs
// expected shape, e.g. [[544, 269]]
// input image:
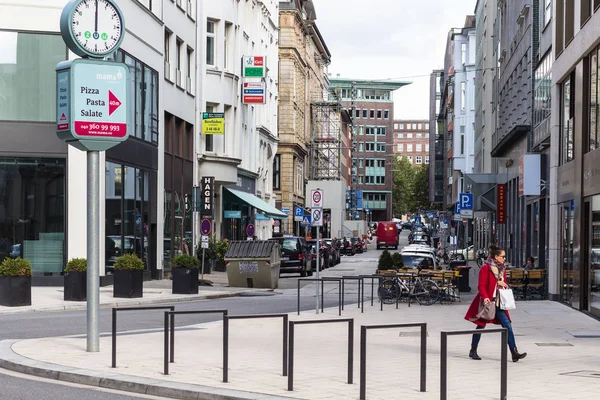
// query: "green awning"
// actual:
[[255, 202]]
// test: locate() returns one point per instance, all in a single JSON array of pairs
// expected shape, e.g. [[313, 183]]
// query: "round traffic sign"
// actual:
[[317, 196], [205, 227], [250, 230]]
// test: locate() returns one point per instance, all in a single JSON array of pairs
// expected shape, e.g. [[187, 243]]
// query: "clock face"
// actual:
[[97, 26]]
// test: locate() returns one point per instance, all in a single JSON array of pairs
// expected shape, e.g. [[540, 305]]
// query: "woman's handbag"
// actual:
[[507, 299], [487, 311]]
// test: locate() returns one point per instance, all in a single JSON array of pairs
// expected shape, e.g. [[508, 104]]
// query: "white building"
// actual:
[[242, 158]]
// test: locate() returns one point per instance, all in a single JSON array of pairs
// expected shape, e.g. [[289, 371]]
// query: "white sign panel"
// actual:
[[316, 198], [317, 216]]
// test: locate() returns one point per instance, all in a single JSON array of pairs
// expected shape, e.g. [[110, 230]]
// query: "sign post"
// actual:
[[316, 211], [92, 115], [205, 228]]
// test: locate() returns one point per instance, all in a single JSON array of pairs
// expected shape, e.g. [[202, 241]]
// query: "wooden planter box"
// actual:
[[75, 285], [185, 280], [15, 291], [128, 284]]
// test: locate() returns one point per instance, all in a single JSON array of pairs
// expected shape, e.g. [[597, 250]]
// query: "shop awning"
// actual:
[[255, 202]]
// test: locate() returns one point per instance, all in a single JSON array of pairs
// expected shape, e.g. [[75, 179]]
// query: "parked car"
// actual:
[[324, 253], [387, 235], [419, 260], [295, 255], [335, 250], [463, 253]]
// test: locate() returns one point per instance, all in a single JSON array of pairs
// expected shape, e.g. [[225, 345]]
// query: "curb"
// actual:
[[186, 391]]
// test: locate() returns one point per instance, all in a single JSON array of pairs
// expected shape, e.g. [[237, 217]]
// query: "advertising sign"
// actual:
[[91, 107], [213, 123], [501, 203], [530, 166], [254, 67], [254, 93], [207, 184]]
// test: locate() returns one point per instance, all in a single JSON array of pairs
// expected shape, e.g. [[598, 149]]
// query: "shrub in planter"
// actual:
[[185, 274], [75, 280], [15, 282], [128, 276], [397, 261], [385, 261]]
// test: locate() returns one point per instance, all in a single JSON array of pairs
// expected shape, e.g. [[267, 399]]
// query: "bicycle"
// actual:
[[426, 291]]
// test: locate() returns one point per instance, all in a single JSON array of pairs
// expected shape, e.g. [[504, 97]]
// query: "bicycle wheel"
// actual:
[[427, 292], [388, 291]]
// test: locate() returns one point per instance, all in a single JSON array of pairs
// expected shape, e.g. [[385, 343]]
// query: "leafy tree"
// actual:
[[421, 188], [402, 191]]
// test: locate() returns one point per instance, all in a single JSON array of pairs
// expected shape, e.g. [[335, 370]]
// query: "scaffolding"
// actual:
[[325, 144]]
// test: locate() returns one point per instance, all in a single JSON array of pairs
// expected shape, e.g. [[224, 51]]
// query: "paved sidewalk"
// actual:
[[563, 359]]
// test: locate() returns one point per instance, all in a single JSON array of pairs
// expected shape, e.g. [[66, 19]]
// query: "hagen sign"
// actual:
[[213, 123], [91, 107], [207, 186], [254, 67]]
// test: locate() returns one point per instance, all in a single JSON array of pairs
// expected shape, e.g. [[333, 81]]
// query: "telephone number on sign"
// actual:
[[108, 129]]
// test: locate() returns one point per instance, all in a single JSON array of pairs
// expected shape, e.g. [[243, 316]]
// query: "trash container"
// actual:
[[463, 274], [253, 264]]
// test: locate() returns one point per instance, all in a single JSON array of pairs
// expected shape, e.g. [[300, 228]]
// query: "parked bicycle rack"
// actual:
[[444, 359], [172, 314], [114, 326], [372, 278], [322, 280], [350, 322], [226, 319], [355, 278]]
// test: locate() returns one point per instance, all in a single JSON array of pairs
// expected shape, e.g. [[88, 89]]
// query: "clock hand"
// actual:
[[96, 24]]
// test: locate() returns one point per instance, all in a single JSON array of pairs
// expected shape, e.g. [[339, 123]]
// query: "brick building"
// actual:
[[411, 140]]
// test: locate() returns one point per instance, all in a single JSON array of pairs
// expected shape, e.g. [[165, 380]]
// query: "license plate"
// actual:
[[285, 258]]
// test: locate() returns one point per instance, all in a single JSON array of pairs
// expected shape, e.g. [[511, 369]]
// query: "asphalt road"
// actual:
[[34, 325]]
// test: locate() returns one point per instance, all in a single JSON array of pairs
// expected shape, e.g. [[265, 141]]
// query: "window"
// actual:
[[419, 136], [567, 112], [365, 114], [400, 136], [28, 77], [463, 53], [400, 147], [386, 114], [372, 114], [418, 147], [357, 113], [401, 126], [418, 160], [395, 126], [208, 139], [594, 127], [378, 114], [547, 12], [361, 130], [167, 54], [210, 42], [361, 163], [426, 159], [409, 147], [277, 172], [409, 135], [419, 126], [190, 70], [426, 147], [410, 159], [179, 60], [426, 126], [463, 95], [543, 89], [462, 140], [299, 176], [225, 45]]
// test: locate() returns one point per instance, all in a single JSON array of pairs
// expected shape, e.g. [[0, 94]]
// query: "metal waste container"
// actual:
[[463, 274], [253, 263]]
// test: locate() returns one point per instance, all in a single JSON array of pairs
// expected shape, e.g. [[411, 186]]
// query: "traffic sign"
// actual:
[[276, 222], [250, 230], [285, 210], [305, 220], [317, 217], [317, 198], [457, 216], [204, 242], [466, 201], [298, 213], [466, 213], [205, 227]]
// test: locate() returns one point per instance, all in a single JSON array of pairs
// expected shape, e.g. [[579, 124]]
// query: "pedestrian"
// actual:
[[530, 264], [492, 276]]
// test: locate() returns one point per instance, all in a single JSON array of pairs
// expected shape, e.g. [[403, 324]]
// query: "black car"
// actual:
[[295, 255], [336, 251]]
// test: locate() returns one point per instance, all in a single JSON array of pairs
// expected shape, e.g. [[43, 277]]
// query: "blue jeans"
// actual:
[[505, 322]]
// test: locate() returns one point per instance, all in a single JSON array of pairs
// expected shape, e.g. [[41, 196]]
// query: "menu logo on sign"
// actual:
[[208, 194]]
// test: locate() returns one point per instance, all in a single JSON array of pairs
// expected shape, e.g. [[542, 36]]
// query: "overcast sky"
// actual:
[[391, 39]]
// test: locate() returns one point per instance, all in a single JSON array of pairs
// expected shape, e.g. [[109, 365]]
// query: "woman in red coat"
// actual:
[[491, 276]]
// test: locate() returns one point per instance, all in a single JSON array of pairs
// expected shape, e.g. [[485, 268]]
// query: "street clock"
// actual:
[[92, 28]]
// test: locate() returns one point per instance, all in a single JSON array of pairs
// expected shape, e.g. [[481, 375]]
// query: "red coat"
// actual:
[[487, 283]]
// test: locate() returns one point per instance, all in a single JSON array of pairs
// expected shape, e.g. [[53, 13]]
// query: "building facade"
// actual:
[[436, 140], [303, 61], [411, 140], [242, 159], [371, 104], [574, 268]]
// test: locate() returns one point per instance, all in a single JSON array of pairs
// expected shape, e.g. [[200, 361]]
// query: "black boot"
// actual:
[[516, 356], [473, 354]]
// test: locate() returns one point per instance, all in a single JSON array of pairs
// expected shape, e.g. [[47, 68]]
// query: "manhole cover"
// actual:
[[585, 334], [584, 374], [554, 344]]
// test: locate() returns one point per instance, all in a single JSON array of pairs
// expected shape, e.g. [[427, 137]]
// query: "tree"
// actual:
[[402, 191], [421, 188]]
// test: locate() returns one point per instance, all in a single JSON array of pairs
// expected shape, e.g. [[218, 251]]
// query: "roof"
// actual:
[[251, 248], [367, 83]]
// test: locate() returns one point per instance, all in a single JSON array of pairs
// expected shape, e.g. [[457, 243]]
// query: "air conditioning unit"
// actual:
[[178, 72], [167, 70]]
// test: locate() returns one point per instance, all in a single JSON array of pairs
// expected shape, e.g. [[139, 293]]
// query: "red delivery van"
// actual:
[[387, 235]]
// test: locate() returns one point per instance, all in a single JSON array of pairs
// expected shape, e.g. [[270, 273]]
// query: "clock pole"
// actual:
[[93, 250]]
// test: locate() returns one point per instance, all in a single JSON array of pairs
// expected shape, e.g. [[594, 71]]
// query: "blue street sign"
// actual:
[[138, 220], [298, 211], [466, 201], [285, 210], [457, 208], [307, 221]]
